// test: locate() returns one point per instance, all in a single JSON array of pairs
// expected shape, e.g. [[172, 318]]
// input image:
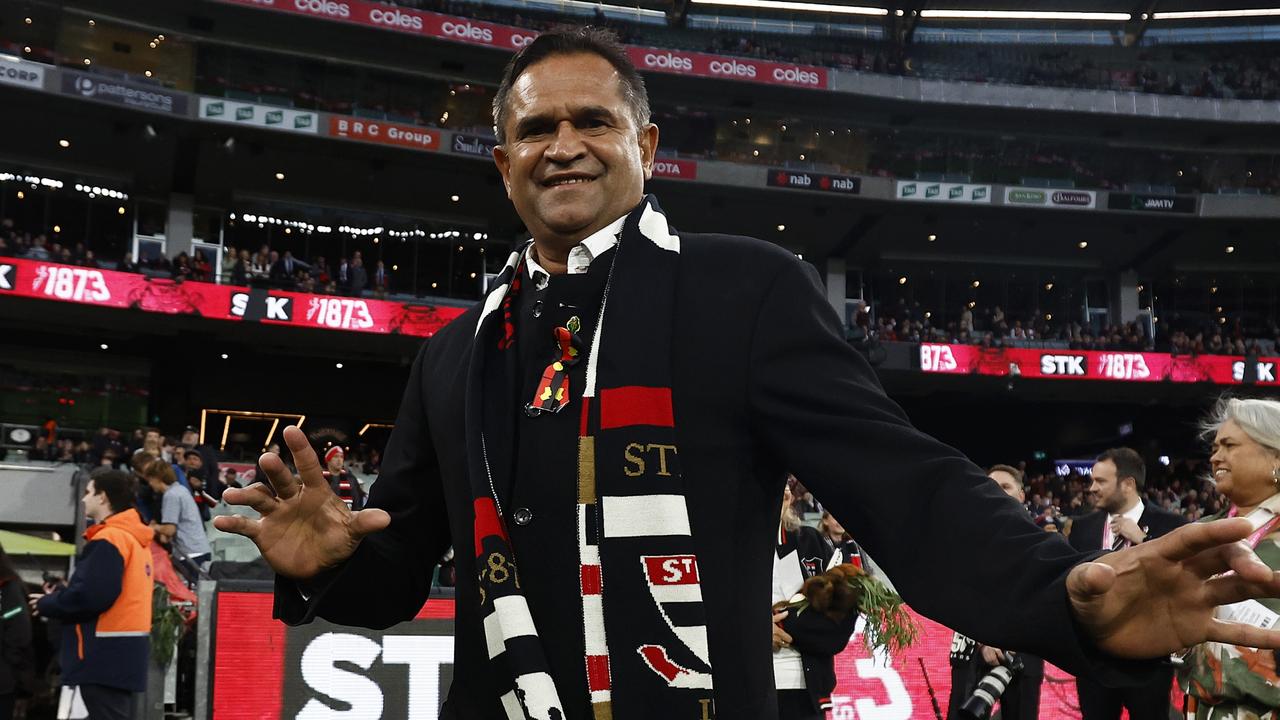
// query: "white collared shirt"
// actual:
[[1134, 513], [580, 257]]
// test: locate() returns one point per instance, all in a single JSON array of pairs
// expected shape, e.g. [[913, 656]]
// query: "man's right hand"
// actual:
[[305, 528], [992, 656]]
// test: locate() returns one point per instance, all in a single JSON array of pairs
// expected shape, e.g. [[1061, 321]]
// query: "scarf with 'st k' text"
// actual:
[[642, 612]]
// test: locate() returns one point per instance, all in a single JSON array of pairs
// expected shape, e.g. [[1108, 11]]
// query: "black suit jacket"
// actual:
[[763, 383], [1086, 530], [280, 271], [359, 279]]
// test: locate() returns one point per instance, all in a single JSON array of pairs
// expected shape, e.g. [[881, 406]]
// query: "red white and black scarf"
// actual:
[[643, 617]]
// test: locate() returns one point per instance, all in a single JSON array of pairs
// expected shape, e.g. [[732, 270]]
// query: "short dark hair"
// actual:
[[1128, 464], [1015, 472], [117, 485], [191, 452], [572, 41]]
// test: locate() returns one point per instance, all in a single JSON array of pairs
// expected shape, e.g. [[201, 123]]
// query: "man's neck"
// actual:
[[1129, 506], [554, 258]]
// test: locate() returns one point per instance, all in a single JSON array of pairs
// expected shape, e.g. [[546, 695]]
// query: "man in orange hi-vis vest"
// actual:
[[106, 605]]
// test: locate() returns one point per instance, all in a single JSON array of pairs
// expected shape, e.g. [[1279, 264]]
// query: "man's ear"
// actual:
[[648, 141], [504, 167]]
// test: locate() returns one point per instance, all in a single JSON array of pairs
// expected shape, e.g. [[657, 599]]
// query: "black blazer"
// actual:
[[764, 383], [1086, 530], [359, 280]]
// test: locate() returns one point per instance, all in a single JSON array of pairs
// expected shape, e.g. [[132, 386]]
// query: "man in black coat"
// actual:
[[359, 277], [284, 272], [1123, 519], [761, 383]]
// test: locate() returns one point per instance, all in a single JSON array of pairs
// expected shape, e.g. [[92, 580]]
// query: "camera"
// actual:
[[991, 687]]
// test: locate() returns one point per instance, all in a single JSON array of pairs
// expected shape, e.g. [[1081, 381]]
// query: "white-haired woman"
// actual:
[[1229, 681]]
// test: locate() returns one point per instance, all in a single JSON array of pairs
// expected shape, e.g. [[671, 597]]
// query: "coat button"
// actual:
[[522, 516], [537, 309]]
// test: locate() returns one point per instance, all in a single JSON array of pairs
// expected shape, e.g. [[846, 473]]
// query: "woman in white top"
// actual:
[[804, 645]]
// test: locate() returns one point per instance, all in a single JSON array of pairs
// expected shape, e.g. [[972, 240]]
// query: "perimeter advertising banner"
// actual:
[[263, 670], [1092, 365], [1045, 197], [108, 288], [675, 169], [475, 145], [263, 116], [152, 98], [381, 132], [477, 32], [23, 74], [821, 182], [1139, 202], [943, 192], [681, 62]]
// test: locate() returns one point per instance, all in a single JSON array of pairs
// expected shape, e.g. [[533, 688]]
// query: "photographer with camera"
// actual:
[[981, 675]]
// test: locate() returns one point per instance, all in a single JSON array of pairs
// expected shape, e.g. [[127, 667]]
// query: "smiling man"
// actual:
[[604, 443]]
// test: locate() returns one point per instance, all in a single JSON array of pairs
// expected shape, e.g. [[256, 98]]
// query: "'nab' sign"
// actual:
[[814, 181], [8, 277]]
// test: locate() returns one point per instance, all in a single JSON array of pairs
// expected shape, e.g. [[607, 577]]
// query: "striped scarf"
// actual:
[[643, 617]]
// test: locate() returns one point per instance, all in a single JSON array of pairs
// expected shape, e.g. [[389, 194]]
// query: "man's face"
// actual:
[[190, 438], [96, 507], [192, 462], [573, 160], [1106, 488], [1009, 484]]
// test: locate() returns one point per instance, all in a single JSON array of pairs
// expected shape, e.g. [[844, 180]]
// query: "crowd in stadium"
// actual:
[[891, 321], [266, 267], [347, 276], [1056, 495], [786, 140], [1237, 72], [993, 327]]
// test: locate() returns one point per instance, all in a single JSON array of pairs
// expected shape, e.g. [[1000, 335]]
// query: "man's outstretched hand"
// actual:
[[1159, 597], [305, 527]]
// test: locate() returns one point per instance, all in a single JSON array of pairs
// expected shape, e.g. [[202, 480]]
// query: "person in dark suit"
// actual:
[[284, 271], [1123, 519], [359, 277], [381, 279], [725, 368]]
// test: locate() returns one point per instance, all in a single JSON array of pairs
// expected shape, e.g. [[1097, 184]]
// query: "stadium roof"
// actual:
[[1090, 5], [1088, 12]]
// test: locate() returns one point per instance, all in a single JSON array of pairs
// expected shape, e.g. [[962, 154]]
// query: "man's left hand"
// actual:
[[1129, 530], [1159, 597], [32, 600]]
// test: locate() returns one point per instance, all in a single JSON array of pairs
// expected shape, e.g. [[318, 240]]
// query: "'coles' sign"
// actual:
[[478, 32]]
